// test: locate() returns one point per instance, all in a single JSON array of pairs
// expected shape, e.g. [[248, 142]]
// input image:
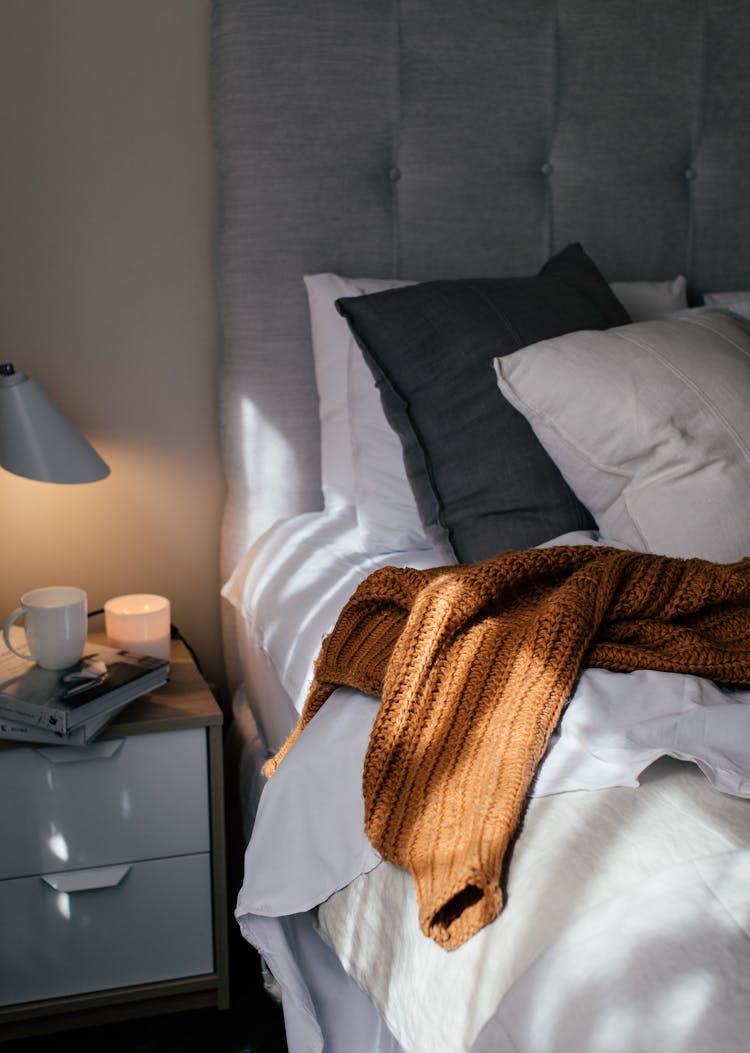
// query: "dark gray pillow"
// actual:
[[479, 474]]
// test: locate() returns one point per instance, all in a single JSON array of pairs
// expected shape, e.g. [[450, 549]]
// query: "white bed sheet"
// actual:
[[287, 592]]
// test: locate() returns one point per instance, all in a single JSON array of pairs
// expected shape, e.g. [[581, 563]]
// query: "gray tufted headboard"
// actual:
[[445, 138]]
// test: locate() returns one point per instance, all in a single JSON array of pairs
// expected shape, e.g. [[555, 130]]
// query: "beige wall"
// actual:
[[107, 297]]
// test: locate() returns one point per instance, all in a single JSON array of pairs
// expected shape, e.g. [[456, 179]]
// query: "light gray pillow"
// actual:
[[649, 424], [738, 301]]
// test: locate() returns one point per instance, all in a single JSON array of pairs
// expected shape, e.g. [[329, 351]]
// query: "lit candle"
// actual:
[[139, 623]]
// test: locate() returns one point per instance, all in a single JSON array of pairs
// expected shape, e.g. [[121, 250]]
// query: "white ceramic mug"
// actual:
[[139, 623], [55, 625]]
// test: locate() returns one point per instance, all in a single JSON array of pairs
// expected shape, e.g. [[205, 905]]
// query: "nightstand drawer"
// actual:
[[120, 800], [91, 930]]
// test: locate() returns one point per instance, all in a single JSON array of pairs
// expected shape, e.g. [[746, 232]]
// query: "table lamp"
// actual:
[[37, 440]]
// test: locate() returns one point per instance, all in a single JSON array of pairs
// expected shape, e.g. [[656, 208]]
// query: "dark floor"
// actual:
[[198, 1031], [253, 1025]]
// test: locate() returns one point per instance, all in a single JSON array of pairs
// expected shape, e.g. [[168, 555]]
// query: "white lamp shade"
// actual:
[[36, 438]]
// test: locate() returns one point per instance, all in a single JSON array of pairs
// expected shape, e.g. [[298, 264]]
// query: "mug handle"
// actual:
[[6, 634]]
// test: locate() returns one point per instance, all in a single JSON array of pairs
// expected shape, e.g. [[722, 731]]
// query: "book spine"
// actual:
[[32, 713], [15, 731]]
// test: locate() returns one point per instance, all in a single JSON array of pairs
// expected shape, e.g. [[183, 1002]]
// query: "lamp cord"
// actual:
[[174, 633]]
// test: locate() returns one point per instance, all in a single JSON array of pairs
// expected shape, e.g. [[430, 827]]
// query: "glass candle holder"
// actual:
[[139, 623]]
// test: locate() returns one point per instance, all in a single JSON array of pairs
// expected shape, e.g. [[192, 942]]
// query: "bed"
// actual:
[[482, 274]]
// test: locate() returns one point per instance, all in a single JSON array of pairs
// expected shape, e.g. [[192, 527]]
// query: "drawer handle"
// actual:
[[68, 754], [85, 880]]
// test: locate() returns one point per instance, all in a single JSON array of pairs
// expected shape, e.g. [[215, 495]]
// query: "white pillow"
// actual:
[[646, 300], [329, 359], [362, 458], [650, 425]]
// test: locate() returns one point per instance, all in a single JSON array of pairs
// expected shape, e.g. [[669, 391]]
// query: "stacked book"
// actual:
[[72, 706]]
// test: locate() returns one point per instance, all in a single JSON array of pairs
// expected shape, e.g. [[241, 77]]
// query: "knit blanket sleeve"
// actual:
[[474, 665]]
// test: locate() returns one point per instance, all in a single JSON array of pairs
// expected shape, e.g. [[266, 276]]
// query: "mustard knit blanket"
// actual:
[[474, 665]]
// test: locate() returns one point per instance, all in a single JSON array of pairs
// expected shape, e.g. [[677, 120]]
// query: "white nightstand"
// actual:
[[112, 867]]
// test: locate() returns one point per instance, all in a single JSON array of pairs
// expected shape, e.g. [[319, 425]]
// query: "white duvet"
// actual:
[[627, 928], [627, 915], [627, 924]]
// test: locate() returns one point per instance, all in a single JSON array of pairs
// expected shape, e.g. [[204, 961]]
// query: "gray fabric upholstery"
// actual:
[[429, 138]]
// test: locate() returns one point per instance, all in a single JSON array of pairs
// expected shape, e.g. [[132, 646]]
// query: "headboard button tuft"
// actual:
[[394, 175], [690, 173], [546, 168]]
